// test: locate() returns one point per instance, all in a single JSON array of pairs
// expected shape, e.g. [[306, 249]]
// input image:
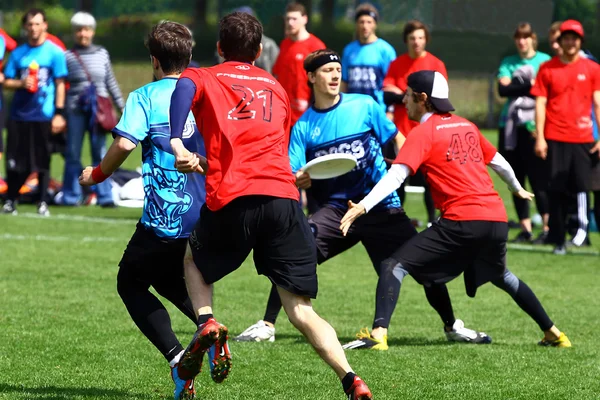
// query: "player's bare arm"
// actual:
[[541, 147], [399, 140], [117, 153], [59, 123], [596, 148]]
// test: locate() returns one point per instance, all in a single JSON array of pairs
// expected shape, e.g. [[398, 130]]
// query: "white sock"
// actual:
[[176, 359]]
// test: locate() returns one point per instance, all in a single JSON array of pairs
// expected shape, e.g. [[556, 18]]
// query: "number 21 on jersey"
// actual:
[[250, 103], [464, 146]]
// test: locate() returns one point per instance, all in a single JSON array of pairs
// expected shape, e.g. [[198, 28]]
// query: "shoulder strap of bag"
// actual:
[[87, 74]]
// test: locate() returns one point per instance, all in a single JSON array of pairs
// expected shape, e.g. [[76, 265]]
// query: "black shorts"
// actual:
[[277, 231], [28, 146], [154, 260], [448, 248], [572, 167], [381, 232]]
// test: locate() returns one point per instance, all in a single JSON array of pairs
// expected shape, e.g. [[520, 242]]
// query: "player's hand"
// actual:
[[596, 148], [187, 162], [28, 82], [525, 195], [58, 124], [354, 211], [1, 78], [303, 180], [85, 179], [541, 148], [202, 164]]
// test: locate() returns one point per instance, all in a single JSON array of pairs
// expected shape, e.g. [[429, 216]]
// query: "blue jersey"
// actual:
[[38, 106], [172, 200], [364, 66], [355, 125], [2, 52]]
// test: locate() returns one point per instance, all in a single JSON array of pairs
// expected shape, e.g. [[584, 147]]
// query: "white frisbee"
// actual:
[[330, 165]]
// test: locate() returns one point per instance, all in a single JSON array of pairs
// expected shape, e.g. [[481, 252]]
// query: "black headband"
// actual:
[[321, 60], [365, 12]]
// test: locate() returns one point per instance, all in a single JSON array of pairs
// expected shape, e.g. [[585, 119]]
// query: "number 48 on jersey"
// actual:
[[464, 146]]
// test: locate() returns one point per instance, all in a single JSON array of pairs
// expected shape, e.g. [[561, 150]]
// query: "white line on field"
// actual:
[[79, 239], [80, 218], [546, 249]]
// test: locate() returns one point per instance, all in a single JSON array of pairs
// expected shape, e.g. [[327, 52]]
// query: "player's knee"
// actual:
[[124, 283], [392, 267], [508, 282], [300, 314]]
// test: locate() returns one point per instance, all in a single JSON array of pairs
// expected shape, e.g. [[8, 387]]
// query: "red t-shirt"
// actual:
[[453, 155], [9, 42], [51, 38], [569, 89], [243, 115], [397, 75], [289, 71]]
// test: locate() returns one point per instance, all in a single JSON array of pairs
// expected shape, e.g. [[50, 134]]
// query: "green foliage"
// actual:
[[582, 10]]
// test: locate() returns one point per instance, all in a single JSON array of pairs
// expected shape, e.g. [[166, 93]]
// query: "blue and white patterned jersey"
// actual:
[[172, 200], [364, 66], [356, 125]]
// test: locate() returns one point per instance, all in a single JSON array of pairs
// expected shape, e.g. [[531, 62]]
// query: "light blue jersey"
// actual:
[[364, 67], [355, 125], [172, 200], [38, 106], [2, 52]]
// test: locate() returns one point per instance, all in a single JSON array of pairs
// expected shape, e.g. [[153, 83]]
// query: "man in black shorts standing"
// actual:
[[355, 124], [251, 198], [471, 234]]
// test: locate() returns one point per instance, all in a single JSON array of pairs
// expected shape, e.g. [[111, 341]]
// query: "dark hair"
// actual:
[[429, 107], [32, 12], [171, 44], [296, 7], [367, 7], [412, 26], [524, 30], [555, 27], [240, 35]]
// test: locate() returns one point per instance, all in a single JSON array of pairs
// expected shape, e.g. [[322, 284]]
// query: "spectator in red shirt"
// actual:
[[251, 198], [416, 36], [289, 67], [564, 89], [471, 235]]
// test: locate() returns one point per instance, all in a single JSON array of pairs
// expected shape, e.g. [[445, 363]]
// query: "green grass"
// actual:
[[65, 335]]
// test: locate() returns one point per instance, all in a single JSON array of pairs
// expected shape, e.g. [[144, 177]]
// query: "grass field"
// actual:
[[65, 335]]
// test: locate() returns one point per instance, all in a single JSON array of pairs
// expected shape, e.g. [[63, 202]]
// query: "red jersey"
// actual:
[[51, 38], [243, 114], [569, 89], [289, 71], [453, 155], [397, 75], [9, 42]]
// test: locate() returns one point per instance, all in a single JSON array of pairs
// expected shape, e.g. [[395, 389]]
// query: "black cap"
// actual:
[[434, 85]]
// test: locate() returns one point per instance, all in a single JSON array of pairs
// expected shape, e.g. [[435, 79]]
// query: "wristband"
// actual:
[[59, 111], [98, 176]]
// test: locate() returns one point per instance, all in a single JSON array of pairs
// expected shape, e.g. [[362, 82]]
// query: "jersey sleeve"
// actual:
[[345, 61], [297, 149], [389, 55], [488, 149], [596, 78], [390, 77], [503, 70], [442, 69], [415, 150], [194, 76], [540, 88], [10, 69], [134, 123], [2, 48], [59, 64], [384, 128]]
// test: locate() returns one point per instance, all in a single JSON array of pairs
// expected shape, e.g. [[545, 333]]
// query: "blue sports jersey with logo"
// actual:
[[172, 200], [355, 125], [38, 106], [364, 67]]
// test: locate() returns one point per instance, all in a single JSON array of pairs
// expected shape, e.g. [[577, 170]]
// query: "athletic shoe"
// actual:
[[43, 209], [562, 341], [220, 357], [523, 237], [560, 250], [364, 340], [542, 238], [359, 390], [9, 208], [184, 390], [259, 332], [461, 334], [190, 363]]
